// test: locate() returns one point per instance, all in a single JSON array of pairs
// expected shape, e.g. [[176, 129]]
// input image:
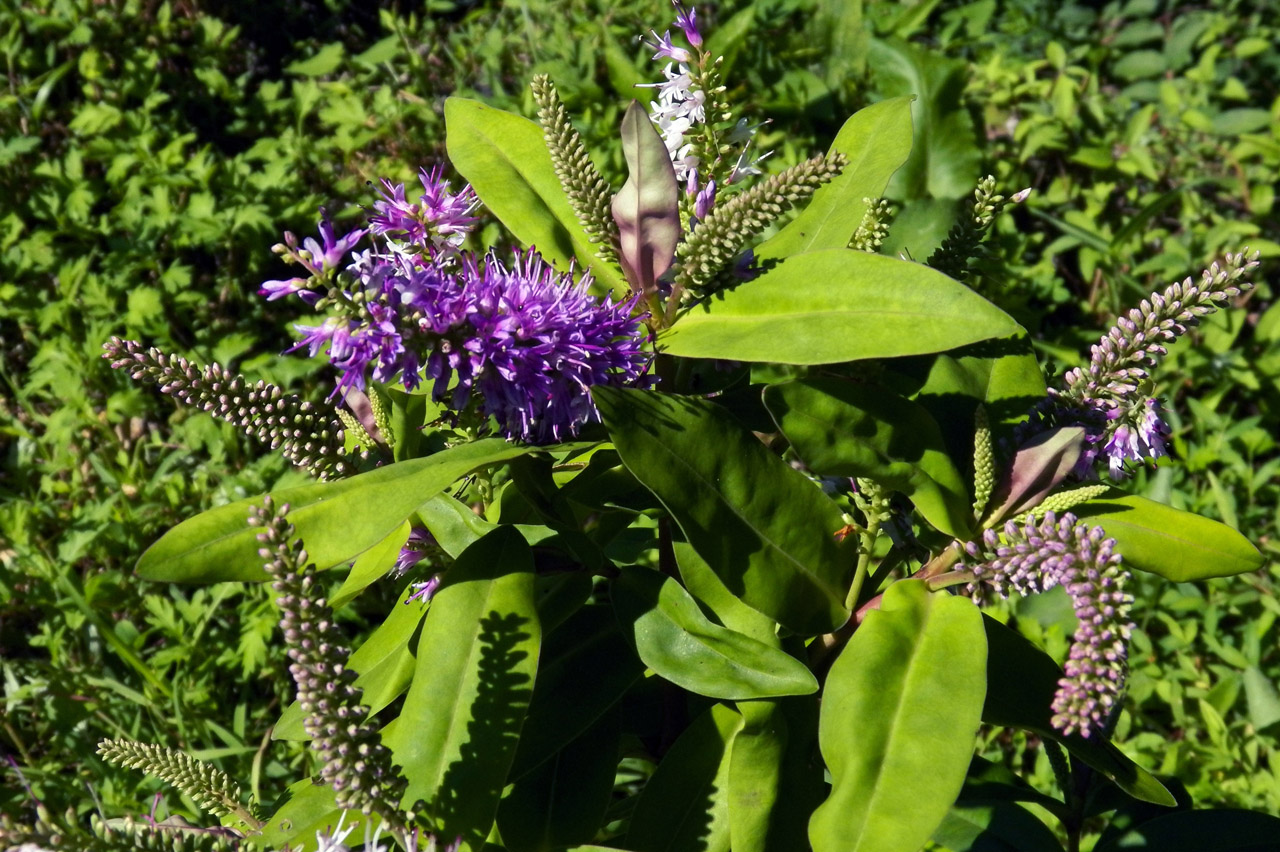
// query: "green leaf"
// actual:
[[945, 157], [326, 60], [565, 704], [1264, 702], [337, 521], [563, 800], [309, 808], [1021, 682], [505, 159], [647, 208], [1000, 827], [371, 565], [899, 711], [457, 733], [1001, 375], [676, 640], [705, 585], [841, 428], [1202, 831], [774, 784], [877, 141], [1179, 546], [766, 530], [685, 805], [837, 305]]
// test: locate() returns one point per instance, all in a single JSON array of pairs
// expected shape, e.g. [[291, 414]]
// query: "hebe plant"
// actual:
[[693, 529]]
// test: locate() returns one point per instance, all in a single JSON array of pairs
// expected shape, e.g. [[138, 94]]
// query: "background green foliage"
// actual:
[[152, 153]]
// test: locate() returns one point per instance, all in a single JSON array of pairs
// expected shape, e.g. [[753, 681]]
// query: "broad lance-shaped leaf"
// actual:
[[900, 710], [763, 527], [565, 704], [1021, 682], [842, 428], [456, 736], [677, 641], [837, 305], [505, 158], [647, 208], [1179, 546], [877, 141], [564, 799], [1001, 375], [1226, 830], [337, 520], [685, 804]]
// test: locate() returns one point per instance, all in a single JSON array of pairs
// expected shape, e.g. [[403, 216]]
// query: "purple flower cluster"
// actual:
[[528, 340], [1061, 552], [439, 219], [1111, 397]]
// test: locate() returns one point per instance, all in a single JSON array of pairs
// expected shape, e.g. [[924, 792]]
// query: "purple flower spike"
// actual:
[[1111, 396], [438, 220], [539, 342], [688, 21], [1038, 556]]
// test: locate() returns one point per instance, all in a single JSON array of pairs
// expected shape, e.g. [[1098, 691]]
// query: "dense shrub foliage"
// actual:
[[154, 152]]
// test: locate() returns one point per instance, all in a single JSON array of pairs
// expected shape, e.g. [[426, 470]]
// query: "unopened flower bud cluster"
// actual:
[[1034, 558], [305, 434]]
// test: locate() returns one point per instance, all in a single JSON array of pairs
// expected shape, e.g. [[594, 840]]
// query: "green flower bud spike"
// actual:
[[589, 194], [962, 244], [715, 243], [874, 227], [208, 786], [984, 462]]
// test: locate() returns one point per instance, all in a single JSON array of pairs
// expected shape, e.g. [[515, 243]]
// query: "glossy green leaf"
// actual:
[[705, 585], [900, 709], [676, 640], [1177, 545], [477, 657], [1001, 375], [309, 808], [765, 529], [843, 428], [774, 784], [1202, 831], [371, 565], [455, 526], [563, 800], [685, 805], [997, 827], [565, 704], [876, 140], [836, 305], [337, 521], [1021, 682], [384, 664], [647, 208], [506, 160], [993, 783]]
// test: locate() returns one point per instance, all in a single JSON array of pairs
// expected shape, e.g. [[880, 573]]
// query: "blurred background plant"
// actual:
[[153, 152]]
